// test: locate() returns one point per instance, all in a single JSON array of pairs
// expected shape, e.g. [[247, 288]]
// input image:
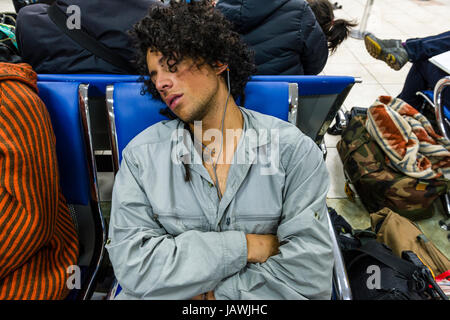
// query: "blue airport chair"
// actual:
[[319, 101], [97, 90], [67, 105], [130, 113]]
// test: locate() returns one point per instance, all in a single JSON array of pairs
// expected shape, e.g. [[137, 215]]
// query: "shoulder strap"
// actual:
[[374, 249], [86, 41]]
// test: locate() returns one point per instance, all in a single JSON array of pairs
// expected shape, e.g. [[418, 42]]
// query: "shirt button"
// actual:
[[210, 184], [228, 221]]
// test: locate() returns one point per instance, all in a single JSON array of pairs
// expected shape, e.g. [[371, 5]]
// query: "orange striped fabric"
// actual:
[[37, 237]]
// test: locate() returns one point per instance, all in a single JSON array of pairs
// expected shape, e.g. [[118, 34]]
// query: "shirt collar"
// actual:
[[252, 129]]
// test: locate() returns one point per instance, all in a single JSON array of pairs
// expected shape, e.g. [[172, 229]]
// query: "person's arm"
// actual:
[[313, 44], [151, 264], [303, 268]]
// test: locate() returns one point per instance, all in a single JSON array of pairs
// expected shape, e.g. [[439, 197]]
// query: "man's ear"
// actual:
[[220, 67]]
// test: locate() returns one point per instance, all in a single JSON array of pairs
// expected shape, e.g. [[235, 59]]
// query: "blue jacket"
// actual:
[[284, 34]]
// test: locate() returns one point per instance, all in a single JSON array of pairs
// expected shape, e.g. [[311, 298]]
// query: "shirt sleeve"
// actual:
[[149, 263], [303, 268]]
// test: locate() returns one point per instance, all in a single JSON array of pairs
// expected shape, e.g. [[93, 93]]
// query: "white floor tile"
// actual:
[[337, 180], [393, 89], [350, 69], [362, 56], [331, 140], [342, 55], [364, 95], [385, 75], [6, 6]]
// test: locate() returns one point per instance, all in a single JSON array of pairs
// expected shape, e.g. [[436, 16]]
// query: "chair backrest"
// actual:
[[62, 101], [319, 99], [130, 112], [97, 90], [68, 108], [270, 98], [97, 82]]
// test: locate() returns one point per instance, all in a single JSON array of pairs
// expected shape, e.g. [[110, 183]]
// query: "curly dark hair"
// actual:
[[192, 30]]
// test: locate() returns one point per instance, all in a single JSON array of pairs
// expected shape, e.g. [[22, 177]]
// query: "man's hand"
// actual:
[[261, 246], [200, 296], [205, 296], [210, 295]]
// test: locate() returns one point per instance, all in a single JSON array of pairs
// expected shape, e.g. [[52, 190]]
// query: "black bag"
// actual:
[[398, 279], [366, 259], [101, 45]]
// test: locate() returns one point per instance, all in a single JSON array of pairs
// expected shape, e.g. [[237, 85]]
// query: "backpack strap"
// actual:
[[375, 250], [88, 42]]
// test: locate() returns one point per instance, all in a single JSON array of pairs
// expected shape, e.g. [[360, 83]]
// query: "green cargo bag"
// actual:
[[379, 185]]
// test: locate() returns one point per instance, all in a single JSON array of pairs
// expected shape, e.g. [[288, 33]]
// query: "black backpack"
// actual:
[[374, 272]]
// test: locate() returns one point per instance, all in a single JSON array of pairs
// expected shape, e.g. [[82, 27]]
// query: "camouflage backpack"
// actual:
[[379, 185]]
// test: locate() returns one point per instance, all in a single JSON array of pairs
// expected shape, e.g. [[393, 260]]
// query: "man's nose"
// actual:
[[163, 82]]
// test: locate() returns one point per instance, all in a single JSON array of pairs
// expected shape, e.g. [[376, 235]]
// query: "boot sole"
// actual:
[[375, 51]]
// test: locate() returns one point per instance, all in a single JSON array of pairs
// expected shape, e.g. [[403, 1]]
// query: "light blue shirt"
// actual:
[[172, 239]]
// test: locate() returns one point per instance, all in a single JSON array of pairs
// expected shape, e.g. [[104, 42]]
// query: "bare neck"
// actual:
[[223, 110]]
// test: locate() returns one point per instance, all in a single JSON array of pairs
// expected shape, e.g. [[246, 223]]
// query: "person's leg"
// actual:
[[423, 75], [415, 81], [424, 48]]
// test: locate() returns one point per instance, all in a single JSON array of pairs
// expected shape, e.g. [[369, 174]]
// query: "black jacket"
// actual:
[[49, 50], [284, 34]]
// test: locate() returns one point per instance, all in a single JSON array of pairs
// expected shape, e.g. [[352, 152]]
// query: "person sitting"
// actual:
[[423, 75], [38, 240], [188, 221], [288, 38], [48, 48]]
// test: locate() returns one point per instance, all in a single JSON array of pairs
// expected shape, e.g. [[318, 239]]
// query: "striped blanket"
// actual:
[[38, 240], [408, 139]]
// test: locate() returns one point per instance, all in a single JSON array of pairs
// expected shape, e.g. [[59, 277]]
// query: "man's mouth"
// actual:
[[173, 100]]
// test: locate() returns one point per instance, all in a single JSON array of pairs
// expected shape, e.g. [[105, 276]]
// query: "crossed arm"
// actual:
[[294, 264]]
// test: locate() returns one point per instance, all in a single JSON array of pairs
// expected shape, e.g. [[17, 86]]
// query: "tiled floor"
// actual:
[[400, 19], [6, 6]]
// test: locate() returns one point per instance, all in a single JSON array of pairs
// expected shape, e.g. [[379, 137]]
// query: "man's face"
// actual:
[[190, 92]]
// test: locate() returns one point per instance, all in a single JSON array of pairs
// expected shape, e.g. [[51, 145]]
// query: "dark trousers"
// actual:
[[424, 48], [424, 75]]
